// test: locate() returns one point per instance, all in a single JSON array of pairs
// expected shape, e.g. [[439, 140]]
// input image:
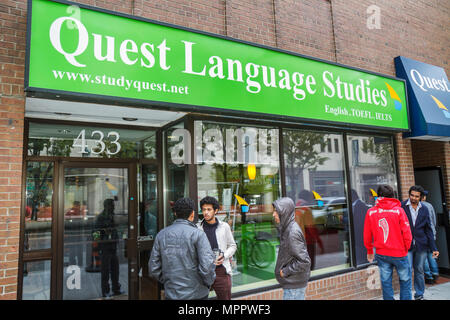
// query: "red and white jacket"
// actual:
[[387, 225]]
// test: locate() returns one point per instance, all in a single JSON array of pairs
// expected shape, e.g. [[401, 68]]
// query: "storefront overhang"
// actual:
[[83, 53], [429, 99], [37, 108]]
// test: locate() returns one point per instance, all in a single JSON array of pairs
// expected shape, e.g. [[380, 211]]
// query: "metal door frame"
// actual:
[[446, 222], [58, 261]]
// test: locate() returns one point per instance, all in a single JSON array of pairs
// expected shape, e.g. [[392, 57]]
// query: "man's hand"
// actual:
[[435, 254], [370, 257], [220, 260], [281, 273]]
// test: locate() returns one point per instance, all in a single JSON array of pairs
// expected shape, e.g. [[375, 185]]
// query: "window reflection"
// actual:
[[36, 280], [315, 179], [95, 233], [38, 209], [237, 164], [371, 164], [176, 158], [90, 142]]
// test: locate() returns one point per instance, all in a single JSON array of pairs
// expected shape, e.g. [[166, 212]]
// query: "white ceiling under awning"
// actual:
[[97, 113]]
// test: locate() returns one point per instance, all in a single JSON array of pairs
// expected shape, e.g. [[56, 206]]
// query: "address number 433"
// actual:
[[99, 144]]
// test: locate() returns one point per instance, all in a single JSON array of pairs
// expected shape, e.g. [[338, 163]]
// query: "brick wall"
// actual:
[[358, 285], [329, 29], [12, 102], [433, 153], [405, 165]]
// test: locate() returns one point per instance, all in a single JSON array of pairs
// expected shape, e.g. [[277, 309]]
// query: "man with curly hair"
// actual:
[[221, 239]]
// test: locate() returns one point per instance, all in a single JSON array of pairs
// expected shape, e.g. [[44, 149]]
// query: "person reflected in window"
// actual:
[[74, 238], [150, 220], [108, 238], [305, 219], [75, 211], [359, 209]]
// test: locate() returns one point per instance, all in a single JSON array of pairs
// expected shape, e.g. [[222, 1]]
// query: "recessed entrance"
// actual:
[[91, 201], [96, 241]]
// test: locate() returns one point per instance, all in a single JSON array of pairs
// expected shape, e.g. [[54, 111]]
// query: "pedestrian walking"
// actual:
[[222, 242], [423, 240], [386, 228], [293, 266], [181, 258], [430, 267]]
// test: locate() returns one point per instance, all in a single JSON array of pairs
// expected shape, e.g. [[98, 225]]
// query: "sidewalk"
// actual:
[[438, 291]]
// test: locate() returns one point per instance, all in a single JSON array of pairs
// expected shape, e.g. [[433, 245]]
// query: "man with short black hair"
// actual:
[[182, 258], [386, 228], [423, 240], [222, 241]]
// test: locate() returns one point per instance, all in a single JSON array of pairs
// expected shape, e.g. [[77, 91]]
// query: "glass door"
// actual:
[[97, 259], [148, 228], [431, 179]]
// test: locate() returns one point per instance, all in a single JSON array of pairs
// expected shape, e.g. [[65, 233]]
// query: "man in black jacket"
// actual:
[[182, 258], [423, 239], [293, 265]]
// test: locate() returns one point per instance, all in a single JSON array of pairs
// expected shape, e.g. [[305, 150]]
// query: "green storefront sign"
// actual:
[[85, 51]]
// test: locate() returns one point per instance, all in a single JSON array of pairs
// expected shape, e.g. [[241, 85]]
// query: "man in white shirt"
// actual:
[[423, 240], [221, 239]]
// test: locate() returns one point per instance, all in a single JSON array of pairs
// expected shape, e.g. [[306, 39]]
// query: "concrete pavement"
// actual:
[[438, 291]]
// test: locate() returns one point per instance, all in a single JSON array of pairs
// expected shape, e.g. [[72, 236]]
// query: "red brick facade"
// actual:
[[358, 285], [334, 30]]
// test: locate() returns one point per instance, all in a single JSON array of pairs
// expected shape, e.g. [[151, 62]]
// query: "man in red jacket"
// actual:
[[387, 225]]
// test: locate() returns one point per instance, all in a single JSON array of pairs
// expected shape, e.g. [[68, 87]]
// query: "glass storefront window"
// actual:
[[148, 211], [315, 180], [242, 160], [38, 209], [176, 157], [371, 163], [36, 280], [95, 232], [90, 141]]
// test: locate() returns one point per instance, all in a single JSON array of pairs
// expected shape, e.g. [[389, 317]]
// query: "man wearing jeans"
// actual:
[[430, 266], [387, 225], [423, 240], [293, 266]]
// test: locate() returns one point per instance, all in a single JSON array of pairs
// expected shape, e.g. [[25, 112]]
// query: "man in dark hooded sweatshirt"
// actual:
[[293, 263]]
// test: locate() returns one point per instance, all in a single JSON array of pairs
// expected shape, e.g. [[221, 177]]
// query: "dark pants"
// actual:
[[222, 284], [110, 265]]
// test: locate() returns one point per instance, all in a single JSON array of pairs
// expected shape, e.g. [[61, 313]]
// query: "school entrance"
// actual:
[[92, 206]]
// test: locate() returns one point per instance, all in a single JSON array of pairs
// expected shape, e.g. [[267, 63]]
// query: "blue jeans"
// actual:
[[416, 261], [386, 266], [430, 266], [294, 294]]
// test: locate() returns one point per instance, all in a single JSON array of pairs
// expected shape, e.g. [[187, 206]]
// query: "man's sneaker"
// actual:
[[419, 298], [430, 281]]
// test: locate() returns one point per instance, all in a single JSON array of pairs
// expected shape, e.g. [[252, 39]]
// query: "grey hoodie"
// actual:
[[293, 257]]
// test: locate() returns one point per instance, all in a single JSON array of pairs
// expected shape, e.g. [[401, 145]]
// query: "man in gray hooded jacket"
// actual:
[[293, 265]]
